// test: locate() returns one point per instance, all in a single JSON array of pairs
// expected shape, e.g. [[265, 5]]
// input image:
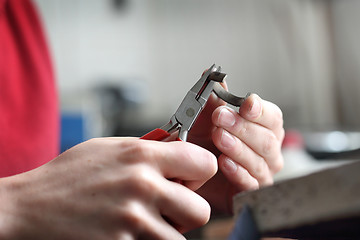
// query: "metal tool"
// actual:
[[193, 103]]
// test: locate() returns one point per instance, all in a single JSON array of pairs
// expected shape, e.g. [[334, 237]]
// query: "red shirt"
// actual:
[[29, 121]]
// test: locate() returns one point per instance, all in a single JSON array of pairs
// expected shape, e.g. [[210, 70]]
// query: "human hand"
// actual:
[[247, 143], [112, 188], [250, 142]]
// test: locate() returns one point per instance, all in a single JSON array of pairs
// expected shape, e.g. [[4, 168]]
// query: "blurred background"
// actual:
[[123, 66], [302, 55]]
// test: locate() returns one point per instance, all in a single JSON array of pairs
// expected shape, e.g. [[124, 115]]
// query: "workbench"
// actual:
[[322, 205]]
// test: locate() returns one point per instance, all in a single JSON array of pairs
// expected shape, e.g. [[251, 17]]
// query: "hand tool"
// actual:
[[193, 103]]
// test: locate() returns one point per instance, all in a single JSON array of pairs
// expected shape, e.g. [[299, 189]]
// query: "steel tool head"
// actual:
[[196, 99]]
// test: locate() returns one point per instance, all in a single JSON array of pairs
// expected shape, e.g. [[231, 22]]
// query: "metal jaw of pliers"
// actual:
[[193, 103]]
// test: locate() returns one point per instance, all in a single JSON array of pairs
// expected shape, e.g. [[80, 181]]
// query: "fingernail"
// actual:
[[229, 166], [226, 118], [255, 108], [227, 140]]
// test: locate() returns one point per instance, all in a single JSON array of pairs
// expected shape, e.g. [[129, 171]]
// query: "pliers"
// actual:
[[193, 103]]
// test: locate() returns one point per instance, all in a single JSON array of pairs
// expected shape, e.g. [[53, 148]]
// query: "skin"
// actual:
[[127, 188], [110, 189], [247, 144]]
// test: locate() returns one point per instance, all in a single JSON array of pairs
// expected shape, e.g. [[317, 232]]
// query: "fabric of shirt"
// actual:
[[29, 121]]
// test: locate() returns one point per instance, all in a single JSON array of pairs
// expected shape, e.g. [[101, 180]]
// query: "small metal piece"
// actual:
[[228, 97], [199, 85], [217, 76]]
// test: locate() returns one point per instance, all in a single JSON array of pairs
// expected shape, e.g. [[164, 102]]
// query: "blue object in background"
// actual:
[[72, 130], [245, 227]]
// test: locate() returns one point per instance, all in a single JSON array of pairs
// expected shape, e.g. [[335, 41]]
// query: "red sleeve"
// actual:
[[29, 121]]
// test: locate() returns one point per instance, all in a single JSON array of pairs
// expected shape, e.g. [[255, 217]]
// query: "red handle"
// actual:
[[157, 134]]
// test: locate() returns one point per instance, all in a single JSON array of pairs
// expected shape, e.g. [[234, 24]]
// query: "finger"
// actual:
[[184, 209], [179, 160], [264, 113], [258, 138], [237, 174], [153, 198], [243, 155], [144, 222]]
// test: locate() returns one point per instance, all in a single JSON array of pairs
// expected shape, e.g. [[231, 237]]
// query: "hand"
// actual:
[[247, 143], [113, 188], [250, 142]]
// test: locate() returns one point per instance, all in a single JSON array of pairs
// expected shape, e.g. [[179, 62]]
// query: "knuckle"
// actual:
[[239, 150], [132, 214], [243, 130], [260, 168], [143, 182], [138, 151], [245, 181], [263, 173], [135, 151], [270, 143], [278, 164]]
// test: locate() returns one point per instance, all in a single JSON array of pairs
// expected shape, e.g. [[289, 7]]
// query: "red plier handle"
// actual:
[[157, 134]]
